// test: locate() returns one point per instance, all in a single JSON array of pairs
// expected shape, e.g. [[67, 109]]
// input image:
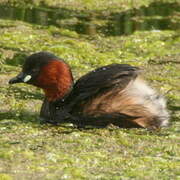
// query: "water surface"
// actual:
[[157, 16]]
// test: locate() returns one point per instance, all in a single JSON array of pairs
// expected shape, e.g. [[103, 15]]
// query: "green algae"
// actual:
[[31, 150]]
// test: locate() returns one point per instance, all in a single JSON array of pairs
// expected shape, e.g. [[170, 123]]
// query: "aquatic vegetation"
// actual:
[[31, 150]]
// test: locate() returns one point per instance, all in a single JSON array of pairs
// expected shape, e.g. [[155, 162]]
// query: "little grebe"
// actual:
[[113, 94]]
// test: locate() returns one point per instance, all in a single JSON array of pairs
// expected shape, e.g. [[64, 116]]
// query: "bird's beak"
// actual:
[[20, 78]]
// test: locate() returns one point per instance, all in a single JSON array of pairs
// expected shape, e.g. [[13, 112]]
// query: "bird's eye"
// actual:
[[34, 70]]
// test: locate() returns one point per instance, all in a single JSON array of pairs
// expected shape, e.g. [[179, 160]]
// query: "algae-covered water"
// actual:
[[88, 34], [156, 16]]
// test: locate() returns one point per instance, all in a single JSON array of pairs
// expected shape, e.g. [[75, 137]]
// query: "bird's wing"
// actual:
[[101, 80]]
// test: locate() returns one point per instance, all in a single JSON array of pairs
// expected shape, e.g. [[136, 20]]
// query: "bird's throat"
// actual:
[[56, 80]]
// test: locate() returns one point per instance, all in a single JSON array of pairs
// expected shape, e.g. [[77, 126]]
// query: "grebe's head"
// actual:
[[46, 71]]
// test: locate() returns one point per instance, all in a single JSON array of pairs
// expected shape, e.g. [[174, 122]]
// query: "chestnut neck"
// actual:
[[56, 80]]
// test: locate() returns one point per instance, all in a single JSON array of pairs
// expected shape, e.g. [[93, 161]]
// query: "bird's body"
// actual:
[[113, 94]]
